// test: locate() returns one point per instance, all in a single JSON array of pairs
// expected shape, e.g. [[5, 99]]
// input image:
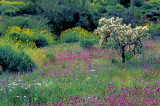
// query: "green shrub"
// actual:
[[154, 30], [55, 37], [41, 41], [41, 38], [9, 12], [155, 4], [25, 22], [28, 8], [70, 39], [95, 41], [117, 11], [75, 34], [15, 61], [12, 5], [9, 7], [86, 43], [70, 13], [51, 56], [139, 3], [112, 45], [118, 7], [95, 13], [129, 55], [106, 2]]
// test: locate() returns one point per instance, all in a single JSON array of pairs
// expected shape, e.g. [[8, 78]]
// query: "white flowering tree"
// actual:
[[121, 35]]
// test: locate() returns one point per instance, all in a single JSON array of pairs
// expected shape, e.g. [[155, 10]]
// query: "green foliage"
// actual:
[[15, 61], [155, 4], [10, 7], [70, 13], [95, 41], [28, 8], [118, 7], [129, 55], [40, 38], [75, 34], [126, 3], [41, 41], [139, 14], [14, 5], [106, 2], [117, 11], [86, 43], [139, 3], [24, 22], [70, 39], [51, 56], [95, 13], [112, 45], [9, 12], [62, 15], [154, 30]]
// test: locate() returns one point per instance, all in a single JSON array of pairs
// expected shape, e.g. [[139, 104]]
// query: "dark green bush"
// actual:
[[69, 13], [70, 40], [139, 3], [146, 6], [41, 41], [117, 11], [55, 37], [28, 8], [86, 43], [155, 4], [106, 2], [95, 12], [153, 15], [15, 61], [126, 3], [9, 12]]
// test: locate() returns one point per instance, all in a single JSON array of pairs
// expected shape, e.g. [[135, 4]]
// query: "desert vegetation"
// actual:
[[79, 52]]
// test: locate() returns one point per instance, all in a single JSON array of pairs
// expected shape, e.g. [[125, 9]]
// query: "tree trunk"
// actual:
[[132, 4], [83, 2], [123, 54]]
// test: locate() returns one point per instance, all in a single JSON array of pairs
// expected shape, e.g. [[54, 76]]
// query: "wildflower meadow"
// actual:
[[82, 77], [50, 55]]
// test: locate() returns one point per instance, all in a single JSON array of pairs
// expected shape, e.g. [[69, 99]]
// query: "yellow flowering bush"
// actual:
[[76, 33], [17, 6], [41, 38], [37, 56], [11, 5], [4, 2]]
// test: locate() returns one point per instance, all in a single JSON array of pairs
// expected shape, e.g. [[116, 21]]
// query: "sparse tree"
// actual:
[[121, 35]]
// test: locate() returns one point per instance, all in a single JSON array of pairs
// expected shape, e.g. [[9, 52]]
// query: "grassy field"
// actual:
[[81, 77]]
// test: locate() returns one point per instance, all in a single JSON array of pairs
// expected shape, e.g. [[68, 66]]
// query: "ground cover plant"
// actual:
[[79, 76], [73, 69]]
